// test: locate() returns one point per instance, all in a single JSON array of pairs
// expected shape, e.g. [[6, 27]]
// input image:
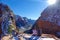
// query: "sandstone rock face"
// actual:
[[49, 21], [7, 21]]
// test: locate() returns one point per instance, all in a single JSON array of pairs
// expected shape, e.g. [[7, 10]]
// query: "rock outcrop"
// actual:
[[7, 20], [49, 21]]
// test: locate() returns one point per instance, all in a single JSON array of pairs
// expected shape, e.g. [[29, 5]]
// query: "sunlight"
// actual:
[[50, 2], [48, 39]]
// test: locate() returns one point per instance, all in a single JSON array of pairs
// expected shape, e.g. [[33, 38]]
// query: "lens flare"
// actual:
[[50, 2]]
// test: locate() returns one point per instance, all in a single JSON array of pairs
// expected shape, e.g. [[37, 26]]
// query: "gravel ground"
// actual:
[[28, 37]]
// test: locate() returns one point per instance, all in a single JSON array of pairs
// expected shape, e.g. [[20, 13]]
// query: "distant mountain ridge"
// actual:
[[24, 22]]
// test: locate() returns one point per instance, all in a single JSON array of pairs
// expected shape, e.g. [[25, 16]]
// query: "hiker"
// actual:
[[35, 35]]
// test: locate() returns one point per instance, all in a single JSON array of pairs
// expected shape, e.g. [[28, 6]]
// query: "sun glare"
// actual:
[[50, 2]]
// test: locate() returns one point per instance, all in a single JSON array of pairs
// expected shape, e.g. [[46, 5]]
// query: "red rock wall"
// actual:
[[47, 27]]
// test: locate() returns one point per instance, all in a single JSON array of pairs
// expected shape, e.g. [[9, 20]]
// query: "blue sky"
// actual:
[[27, 8]]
